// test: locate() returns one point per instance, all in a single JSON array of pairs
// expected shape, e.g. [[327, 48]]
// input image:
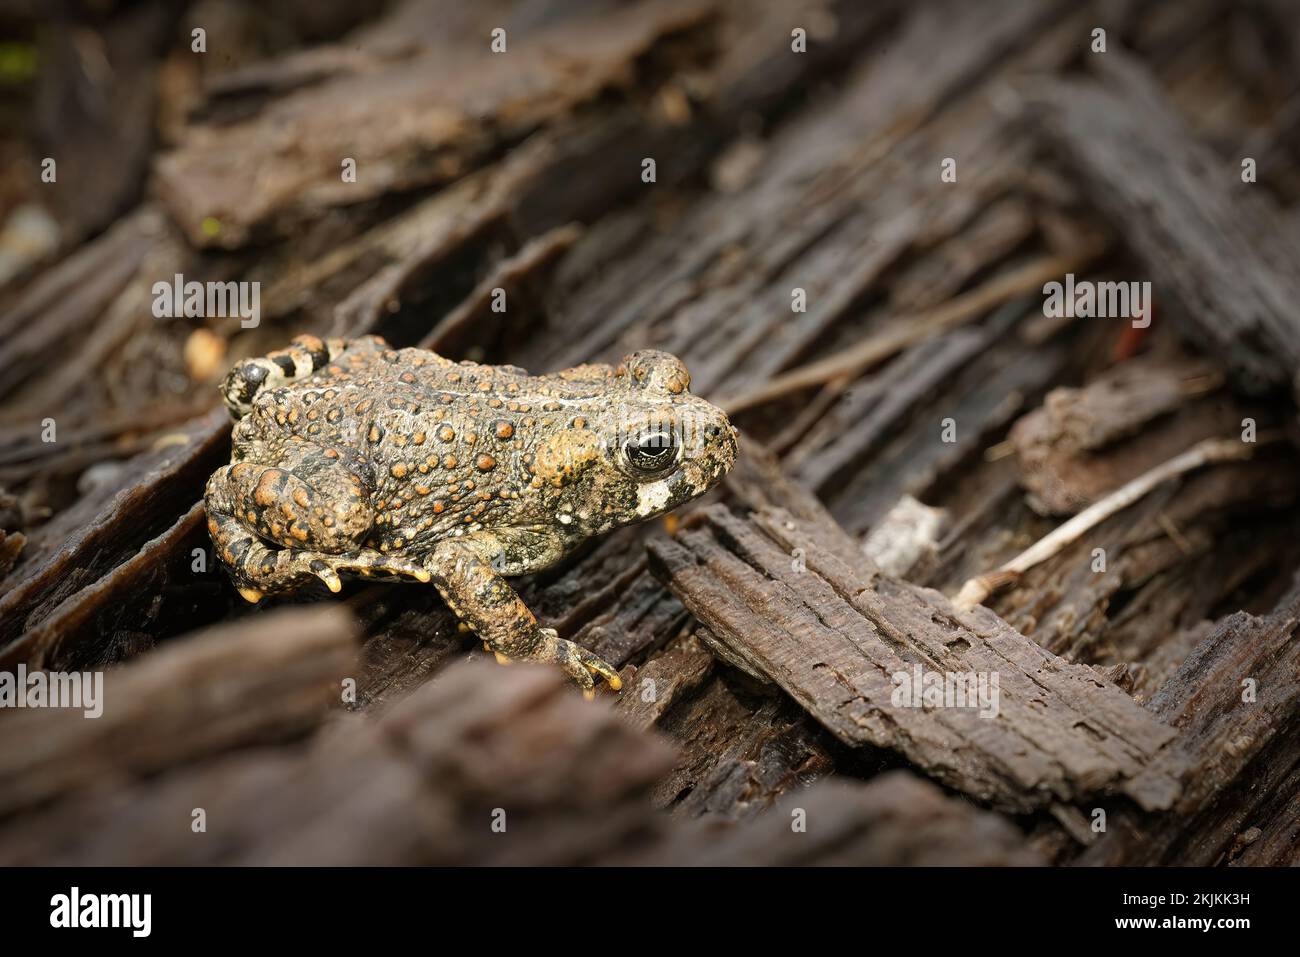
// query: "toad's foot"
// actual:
[[364, 563], [463, 572], [579, 663], [261, 570]]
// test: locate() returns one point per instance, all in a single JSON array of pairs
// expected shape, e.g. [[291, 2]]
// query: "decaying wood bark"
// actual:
[[1232, 699], [1210, 242], [834, 635], [483, 766], [1056, 444], [896, 820], [397, 113], [88, 541], [237, 685], [404, 788]]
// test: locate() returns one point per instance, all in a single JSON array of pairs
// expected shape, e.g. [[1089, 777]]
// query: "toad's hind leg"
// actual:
[[279, 526], [310, 499], [259, 568]]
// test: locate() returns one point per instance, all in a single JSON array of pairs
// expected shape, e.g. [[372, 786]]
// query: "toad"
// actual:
[[351, 458]]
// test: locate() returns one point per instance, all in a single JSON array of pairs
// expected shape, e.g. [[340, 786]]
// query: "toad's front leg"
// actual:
[[485, 601]]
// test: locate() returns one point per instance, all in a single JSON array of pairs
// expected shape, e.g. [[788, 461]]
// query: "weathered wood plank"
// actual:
[[833, 635], [422, 783], [1074, 448], [895, 820], [1232, 698], [1215, 246], [87, 542], [741, 746], [266, 680], [838, 198], [417, 122]]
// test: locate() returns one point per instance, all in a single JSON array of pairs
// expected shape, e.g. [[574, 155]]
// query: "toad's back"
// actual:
[[440, 446]]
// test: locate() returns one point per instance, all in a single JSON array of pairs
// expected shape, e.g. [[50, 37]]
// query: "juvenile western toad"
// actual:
[[355, 458]]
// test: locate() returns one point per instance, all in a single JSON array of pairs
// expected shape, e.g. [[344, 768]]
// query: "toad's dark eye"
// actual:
[[653, 452]]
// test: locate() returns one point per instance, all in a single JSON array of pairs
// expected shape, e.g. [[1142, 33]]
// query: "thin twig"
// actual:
[[907, 331], [977, 590]]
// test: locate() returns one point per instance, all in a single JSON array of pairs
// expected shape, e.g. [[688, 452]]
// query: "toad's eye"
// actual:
[[652, 452]]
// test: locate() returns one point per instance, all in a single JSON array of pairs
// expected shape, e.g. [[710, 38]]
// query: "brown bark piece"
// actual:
[[832, 635], [663, 681], [91, 539], [1223, 732], [1082, 443], [265, 680], [564, 780], [1216, 247], [415, 122], [895, 820], [741, 747]]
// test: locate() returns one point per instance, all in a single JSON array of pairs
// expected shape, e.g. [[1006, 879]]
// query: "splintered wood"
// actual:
[[1234, 702], [417, 785], [443, 778], [842, 640], [269, 680], [896, 820], [1217, 248], [443, 101]]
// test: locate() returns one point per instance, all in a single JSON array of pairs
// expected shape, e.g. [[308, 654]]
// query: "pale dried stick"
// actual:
[[969, 306], [977, 590]]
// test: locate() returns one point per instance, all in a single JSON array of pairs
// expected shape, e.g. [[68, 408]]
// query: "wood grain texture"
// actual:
[[833, 635], [1214, 245]]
